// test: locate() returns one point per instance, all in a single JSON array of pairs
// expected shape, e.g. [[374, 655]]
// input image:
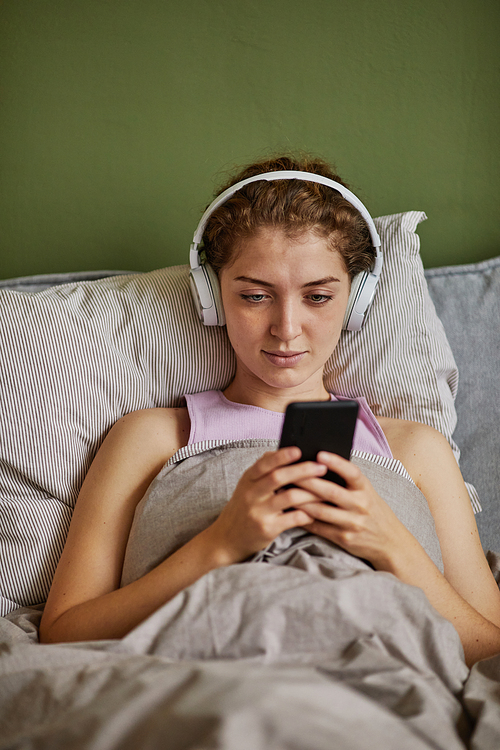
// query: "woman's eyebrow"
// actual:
[[319, 282], [259, 282]]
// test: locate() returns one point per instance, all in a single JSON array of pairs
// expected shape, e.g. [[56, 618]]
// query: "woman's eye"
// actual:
[[254, 297], [319, 298]]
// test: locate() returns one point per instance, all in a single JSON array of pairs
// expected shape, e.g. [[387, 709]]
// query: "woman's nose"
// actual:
[[286, 324]]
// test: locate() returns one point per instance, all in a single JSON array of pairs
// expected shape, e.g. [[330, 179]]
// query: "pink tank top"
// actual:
[[214, 417]]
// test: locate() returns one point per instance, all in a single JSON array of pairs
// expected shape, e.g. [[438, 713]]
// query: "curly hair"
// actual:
[[292, 206]]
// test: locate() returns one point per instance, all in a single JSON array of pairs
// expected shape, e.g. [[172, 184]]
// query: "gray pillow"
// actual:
[[76, 357], [467, 300]]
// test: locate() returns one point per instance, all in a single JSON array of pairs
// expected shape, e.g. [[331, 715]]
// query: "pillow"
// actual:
[[467, 299], [77, 357]]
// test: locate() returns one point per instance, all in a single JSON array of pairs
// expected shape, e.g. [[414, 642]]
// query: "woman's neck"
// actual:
[[273, 399]]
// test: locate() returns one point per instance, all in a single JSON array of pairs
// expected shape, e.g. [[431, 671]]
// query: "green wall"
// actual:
[[118, 118]]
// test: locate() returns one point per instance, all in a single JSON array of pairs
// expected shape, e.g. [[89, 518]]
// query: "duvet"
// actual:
[[302, 646]]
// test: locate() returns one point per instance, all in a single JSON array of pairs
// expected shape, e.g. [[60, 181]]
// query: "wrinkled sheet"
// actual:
[[257, 656]]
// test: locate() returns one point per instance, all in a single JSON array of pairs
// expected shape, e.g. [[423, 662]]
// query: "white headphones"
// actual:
[[205, 284]]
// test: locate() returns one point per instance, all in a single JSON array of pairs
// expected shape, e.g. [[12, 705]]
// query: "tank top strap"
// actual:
[[369, 437]]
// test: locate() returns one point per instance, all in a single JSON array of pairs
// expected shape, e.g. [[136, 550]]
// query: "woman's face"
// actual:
[[284, 301]]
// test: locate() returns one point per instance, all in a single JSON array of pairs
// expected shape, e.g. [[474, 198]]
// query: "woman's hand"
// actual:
[[361, 522], [260, 509]]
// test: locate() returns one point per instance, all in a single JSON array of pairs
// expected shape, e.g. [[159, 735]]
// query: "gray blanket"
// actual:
[[300, 648], [193, 487]]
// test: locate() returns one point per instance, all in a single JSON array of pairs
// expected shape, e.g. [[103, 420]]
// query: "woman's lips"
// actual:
[[284, 359]]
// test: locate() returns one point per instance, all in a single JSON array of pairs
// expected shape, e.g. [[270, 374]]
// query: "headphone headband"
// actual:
[[204, 283], [270, 177]]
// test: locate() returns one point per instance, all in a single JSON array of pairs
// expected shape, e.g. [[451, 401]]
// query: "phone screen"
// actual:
[[316, 426]]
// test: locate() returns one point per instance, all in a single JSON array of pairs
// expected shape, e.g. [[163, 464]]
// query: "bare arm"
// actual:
[[85, 601], [90, 567], [467, 594], [429, 459]]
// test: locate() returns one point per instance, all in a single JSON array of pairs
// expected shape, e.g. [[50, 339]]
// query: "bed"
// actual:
[[308, 660]]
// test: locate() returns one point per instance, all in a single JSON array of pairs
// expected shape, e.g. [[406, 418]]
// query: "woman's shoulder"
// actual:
[[160, 430], [413, 443], [405, 429], [159, 416]]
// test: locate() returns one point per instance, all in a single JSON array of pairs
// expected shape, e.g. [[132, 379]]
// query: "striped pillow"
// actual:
[[77, 357]]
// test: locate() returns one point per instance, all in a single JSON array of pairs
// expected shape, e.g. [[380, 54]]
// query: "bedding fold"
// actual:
[[189, 493], [302, 647]]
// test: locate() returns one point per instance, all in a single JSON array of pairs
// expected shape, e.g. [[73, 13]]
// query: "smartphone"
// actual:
[[316, 426]]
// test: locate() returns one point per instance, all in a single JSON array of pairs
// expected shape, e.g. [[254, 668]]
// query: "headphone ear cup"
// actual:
[[213, 283], [205, 290], [360, 300], [356, 283]]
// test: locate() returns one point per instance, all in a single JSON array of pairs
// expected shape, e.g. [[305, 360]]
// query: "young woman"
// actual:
[[284, 253]]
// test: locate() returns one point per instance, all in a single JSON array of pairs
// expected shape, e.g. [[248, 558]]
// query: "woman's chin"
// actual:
[[290, 378]]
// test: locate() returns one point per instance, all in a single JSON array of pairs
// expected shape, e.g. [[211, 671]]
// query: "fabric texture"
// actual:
[[467, 300], [214, 417], [78, 356], [189, 494], [258, 656]]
